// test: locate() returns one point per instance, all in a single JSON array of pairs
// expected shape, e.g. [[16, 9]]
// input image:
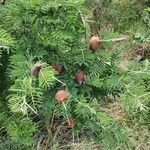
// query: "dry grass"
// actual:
[[140, 136]]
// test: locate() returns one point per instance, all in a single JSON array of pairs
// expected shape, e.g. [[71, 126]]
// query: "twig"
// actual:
[[85, 26], [58, 129], [60, 81], [49, 132], [82, 18], [39, 143], [31, 108], [66, 111], [113, 40]]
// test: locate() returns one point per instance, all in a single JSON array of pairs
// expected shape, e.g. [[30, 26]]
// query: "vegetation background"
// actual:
[[110, 110]]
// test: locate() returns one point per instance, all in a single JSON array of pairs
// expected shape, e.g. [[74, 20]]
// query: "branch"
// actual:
[[113, 40], [87, 28], [59, 81], [82, 18]]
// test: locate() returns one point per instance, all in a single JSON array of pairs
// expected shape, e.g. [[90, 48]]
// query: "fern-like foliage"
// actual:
[[137, 94], [57, 32], [20, 66], [22, 130], [46, 77], [102, 126], [24, 97], [6, 41]]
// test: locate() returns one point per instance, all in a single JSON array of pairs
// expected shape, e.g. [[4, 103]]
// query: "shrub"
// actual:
[[54, 32]]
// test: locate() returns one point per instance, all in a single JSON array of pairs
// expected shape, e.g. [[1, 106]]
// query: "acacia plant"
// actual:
[[55, 79]]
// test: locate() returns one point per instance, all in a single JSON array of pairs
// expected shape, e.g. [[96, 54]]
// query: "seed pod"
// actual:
[[36, 69], [61, 95], [80, 77], [58, 68], [94, 43], [71, 122]]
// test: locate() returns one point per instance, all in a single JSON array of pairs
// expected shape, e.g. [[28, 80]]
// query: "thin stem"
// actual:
[[82, 54], [30, 107], [49, 130], [113, 40], [60, 81], [66, 111]]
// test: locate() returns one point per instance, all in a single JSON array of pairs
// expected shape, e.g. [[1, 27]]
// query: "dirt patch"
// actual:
[[114, 110]]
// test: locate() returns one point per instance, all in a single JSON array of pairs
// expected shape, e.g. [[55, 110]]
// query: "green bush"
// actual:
[[57, 32]]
